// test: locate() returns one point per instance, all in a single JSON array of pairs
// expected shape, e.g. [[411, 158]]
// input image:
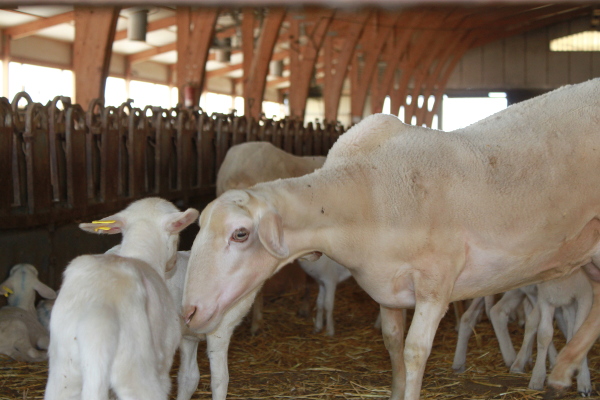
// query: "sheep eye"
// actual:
[[240, 235]]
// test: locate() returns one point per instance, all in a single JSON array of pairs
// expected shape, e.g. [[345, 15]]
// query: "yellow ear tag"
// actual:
[[102, 228], [103, 222], [7, 290]]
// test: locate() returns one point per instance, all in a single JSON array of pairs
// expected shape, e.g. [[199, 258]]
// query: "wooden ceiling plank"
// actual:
[[30, 28], [148, 54]]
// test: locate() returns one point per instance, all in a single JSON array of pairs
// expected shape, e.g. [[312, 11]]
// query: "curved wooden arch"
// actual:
[[337, 57], [303, 56], [374, 37]]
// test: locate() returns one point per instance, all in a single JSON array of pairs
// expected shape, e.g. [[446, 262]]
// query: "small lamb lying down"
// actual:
[[22, 336], [114, 324]]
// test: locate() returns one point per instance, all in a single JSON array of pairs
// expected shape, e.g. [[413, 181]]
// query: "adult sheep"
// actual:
[[422, 218]]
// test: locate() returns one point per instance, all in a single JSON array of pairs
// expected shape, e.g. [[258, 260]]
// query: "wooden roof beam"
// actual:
[[30, 28]]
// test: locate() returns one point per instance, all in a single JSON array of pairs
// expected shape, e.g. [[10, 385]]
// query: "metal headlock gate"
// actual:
[[59, 163]]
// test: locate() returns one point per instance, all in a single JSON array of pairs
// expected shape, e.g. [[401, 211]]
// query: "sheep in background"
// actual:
[[114, 324], [512, 304], [572, 293], [328, 274], [22, 336]]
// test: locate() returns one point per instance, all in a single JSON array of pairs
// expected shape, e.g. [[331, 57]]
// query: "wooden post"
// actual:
[[94, 34], [195, 31], [256, 59]]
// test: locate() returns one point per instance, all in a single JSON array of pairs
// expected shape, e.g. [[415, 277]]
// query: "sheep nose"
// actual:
[[188, 314]]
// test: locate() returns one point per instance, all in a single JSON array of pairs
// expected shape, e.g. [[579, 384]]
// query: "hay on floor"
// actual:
[[288, 361]]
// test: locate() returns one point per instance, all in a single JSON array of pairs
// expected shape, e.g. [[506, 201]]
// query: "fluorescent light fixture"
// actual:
[[497, 94], [583, 41]]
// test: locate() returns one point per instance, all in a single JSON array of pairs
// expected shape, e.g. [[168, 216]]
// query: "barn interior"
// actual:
[[296, 74]]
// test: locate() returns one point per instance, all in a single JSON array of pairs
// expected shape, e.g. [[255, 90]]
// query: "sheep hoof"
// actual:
[[554, 392], [459, 369]]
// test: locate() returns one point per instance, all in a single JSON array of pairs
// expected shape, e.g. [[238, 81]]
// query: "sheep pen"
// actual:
[[288, 361]]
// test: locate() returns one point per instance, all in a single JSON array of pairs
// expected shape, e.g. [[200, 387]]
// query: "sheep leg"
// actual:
[[459, 311], [320, 307], [64, 378], [419, 340], [189, 374], [571, 356], [499, 316], [584, 384], [531, 326], [329, 303], [257, 314], [217, 345], [544, 338], [304, 309], [392, 328], [467, 323]]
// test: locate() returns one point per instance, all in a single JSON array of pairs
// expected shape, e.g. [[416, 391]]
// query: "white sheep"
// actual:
[[114, 324], [573, 293], [22, 336], [422, 218], [328, 274]]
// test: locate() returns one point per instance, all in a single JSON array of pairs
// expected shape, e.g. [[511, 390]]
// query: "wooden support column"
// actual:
[[195, 31], [337, 61], [304, 52], [373, 39], [94, 34], [257, 58]]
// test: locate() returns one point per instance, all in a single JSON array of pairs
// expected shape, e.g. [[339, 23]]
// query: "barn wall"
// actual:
[[42, 50], [525, 62]]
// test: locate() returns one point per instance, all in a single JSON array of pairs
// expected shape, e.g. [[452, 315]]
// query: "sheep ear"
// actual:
[[109, 225], [312, 257], [6, 288], [44, 291], [182, 220], [270, 233]]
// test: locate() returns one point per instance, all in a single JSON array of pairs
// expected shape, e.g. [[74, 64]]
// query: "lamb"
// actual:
[[249, 163], [499, 315], [22, 336], [328, 274], [422, 218], [574, 294], [114, 324]]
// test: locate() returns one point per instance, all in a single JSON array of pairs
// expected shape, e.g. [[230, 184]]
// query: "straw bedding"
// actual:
[[288, 361]]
